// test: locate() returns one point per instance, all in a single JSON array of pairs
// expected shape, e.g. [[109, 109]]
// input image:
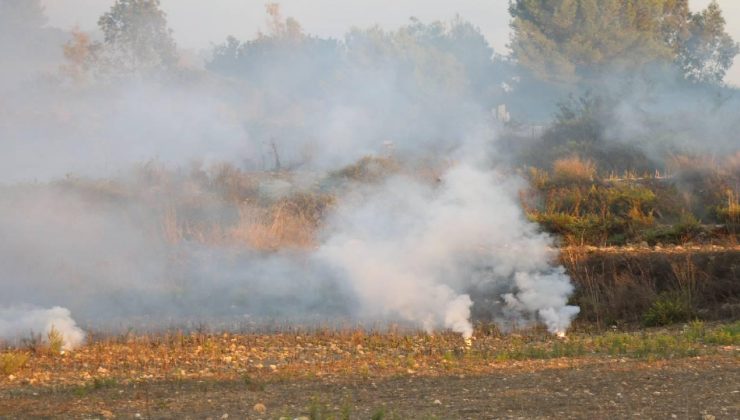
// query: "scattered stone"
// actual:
[[260, 408]]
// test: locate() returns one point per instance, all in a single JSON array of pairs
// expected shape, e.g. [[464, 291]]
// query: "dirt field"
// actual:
[[610, 388], [690, 371]]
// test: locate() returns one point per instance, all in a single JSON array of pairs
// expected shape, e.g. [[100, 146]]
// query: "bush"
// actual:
[[668, 308], [12, 362]]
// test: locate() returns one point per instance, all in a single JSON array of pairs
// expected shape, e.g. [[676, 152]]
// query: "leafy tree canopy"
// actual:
[[571, 41], [137, 38]]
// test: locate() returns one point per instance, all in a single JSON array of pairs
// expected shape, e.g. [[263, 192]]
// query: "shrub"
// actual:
[[668, 308], [727, 335], [12, 362], [687, 227]]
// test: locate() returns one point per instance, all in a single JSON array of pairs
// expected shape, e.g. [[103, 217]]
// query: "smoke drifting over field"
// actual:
[[117, 208]]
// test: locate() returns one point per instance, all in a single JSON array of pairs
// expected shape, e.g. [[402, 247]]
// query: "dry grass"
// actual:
[[289, 223], [299, 355], [623, 285], [574, 169], [369, 169]]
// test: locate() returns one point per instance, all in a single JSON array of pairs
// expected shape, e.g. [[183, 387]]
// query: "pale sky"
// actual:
[[198, 23]]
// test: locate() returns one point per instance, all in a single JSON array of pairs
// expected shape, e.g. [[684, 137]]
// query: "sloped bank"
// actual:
[[654, 286]]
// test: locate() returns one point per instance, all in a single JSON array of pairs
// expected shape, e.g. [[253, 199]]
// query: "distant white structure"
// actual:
[[389, 148], [502, 115]]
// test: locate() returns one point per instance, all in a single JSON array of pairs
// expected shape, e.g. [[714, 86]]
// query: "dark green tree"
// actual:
[[708, 51], [576, 41], [137, 38]]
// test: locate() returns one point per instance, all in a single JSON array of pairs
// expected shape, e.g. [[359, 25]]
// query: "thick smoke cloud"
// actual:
[[26, 322], [81, 228], [416, 252]]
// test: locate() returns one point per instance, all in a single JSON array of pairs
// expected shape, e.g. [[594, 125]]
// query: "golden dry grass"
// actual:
[[289, 223], [574, 169]]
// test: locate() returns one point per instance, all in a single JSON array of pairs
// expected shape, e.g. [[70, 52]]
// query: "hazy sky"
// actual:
[[198, 23]]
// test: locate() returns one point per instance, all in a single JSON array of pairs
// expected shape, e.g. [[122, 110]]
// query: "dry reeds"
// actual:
[[574, 169]]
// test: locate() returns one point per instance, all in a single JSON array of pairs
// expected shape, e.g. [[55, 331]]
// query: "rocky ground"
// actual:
[[683, 372]]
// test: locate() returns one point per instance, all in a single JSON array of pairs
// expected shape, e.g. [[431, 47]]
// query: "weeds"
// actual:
[[584, 209], [55, 340], [726, 335], [252, 384], [96, 385], [640, 345], [378, 414]]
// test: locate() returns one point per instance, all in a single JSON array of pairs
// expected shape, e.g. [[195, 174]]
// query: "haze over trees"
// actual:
[[569, 41]]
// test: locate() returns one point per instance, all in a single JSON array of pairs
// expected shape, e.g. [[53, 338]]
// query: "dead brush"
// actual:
[[55, 340], [574, 169], [369, 169], [289, 223]]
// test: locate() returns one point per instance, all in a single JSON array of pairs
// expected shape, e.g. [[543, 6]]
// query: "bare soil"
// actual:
[[562, 388]]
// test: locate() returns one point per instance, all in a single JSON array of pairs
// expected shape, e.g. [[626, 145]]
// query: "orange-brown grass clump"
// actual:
[[574, 169], [290, 223]]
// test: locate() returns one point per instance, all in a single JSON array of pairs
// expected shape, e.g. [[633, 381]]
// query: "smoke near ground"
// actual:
[[292, 180], [27, 322]]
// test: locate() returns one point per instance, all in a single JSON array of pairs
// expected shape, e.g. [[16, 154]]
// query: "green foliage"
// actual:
[[95, 385], [708, 51], [593, 212], [378, 415], [136, 38], [684, 230], [570, 41], [727, 335], [667, 309], [317, 410], [566, 41], [640, 345]]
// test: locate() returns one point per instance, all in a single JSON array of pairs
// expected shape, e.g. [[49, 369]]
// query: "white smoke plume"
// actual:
[[21, 322], [414, 251]]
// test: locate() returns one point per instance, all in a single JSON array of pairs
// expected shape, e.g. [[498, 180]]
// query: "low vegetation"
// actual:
[[256, 359], [11, 362], [697, 204]]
